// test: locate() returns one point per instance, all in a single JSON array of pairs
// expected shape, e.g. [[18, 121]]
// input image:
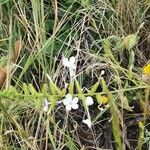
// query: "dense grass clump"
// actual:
[[74, 74]]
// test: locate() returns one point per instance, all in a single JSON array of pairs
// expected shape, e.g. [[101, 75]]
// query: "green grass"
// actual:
[[104, 35]]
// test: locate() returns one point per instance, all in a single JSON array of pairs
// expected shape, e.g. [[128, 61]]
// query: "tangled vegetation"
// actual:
[[74, 74]]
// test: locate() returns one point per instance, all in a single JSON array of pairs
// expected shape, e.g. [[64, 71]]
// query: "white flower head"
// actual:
[[102, 72], [45, 105], [70, 103], [87, 122], [89, 101], [71, 64]]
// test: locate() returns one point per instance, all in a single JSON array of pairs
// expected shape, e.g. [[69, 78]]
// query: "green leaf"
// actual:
[[115, 39], [63, 92], [45, 90], [3, 61], [126, 104], [53, 100], [25, 90], [54, 89], [3, 2], [98, 96], [107, 48], [49, 25], [115, 117], [38, 104], [32, 90], [93, 88], [70, 144], [130, 41], [79, 90], [70, 88]]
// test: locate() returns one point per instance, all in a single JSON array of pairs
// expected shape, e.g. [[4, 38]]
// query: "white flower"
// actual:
[[102, 72], [70, 63], [70, 103], [89, 101], [45, 105], [87, 122]]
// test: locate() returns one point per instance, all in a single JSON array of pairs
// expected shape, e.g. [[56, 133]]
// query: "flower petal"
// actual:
[[87, 122], [75, 106], [66, 62], [89, 101], [72, 72], [102, 72], [46, 102], [68, 107], [45, 108], [72, 60], [45, 105], [73, 66], [75, 100], [69, 96], [65, 101]]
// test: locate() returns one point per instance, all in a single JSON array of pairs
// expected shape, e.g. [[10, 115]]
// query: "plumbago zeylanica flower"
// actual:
[[70, 102], [88, 101], [70, 63], [146, 73]]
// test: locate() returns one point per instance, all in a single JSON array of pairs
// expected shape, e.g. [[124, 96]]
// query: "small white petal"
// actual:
[[46, 102], [66, 85], [75, 100], [72, 60], [69, 96], [45, 108], [87, 122], [73, 66], [72, 72], [68, 107], [89, 101], [66, 62], [75, 106], [102, 72], [65, 101], [45, 105]]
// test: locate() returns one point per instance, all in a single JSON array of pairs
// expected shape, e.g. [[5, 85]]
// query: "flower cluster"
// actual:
[[70, 63], [71, 102]]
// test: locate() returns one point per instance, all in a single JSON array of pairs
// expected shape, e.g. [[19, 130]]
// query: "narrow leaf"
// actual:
[[79, 90], [115, 118], [93, 88], [129, 41]]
